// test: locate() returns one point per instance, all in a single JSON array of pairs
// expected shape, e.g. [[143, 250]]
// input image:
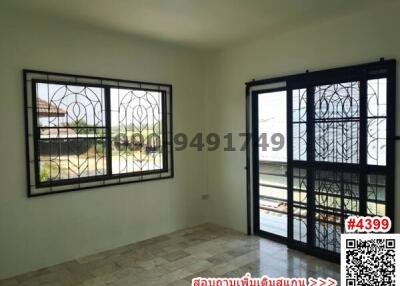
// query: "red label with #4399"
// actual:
[[368, 224]]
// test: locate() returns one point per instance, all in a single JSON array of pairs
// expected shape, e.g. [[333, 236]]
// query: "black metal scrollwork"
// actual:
[[138, 118], [71, 124], [337, 123]]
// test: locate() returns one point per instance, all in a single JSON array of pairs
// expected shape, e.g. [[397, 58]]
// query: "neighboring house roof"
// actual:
[[45, 109]]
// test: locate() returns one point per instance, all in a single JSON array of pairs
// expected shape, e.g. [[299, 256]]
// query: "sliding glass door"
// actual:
[[338, 158]]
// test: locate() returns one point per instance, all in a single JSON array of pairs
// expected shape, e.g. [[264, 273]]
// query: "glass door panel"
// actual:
[[272, 162]]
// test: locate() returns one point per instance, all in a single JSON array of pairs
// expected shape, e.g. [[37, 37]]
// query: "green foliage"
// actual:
[[44, 175], [156, 128], [121, 138], [100, 148]]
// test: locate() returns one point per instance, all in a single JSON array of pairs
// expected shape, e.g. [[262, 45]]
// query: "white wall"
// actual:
[[43, 231], [351, 39]]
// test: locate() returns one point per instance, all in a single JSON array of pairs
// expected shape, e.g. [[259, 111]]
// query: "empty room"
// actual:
[[199, 142]]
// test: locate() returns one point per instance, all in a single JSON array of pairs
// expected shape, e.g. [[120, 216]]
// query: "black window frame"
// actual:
[[32, 133]]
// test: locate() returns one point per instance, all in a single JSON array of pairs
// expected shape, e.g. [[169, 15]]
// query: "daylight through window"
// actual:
[[84, 132]]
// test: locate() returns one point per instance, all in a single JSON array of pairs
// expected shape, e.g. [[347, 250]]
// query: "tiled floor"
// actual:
[[174, 259]]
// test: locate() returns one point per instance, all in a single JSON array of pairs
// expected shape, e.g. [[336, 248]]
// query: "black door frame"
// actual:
[[362, 73]]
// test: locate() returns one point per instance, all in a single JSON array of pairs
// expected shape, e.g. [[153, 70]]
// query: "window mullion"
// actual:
[[164, 130], [310, 161], [363, 146], [36, 133], [108, 130]]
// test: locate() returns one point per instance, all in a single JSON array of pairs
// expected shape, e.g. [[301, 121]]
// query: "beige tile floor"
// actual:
[[174, 259]]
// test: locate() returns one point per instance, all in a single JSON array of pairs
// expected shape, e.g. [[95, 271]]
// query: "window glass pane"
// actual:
[[377, 97], [337, 122], [376, 123], [300, 205], [136, 130], [299, 105], [299, 124], [376, 195], [272, 162], [71, 127], [300, 141], [376, 140], [272, 126]]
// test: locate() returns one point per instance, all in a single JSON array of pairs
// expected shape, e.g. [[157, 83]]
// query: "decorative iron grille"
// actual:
[[345, 126], [85, 132], [341, 151], [337, 119]]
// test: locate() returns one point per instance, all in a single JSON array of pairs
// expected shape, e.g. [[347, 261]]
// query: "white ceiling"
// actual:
[[199, 23]]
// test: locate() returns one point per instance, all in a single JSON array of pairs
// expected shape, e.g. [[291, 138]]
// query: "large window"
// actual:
[[85, 132]]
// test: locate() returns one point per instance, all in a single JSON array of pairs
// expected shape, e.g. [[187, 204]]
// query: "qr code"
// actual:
[[369, 259]]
